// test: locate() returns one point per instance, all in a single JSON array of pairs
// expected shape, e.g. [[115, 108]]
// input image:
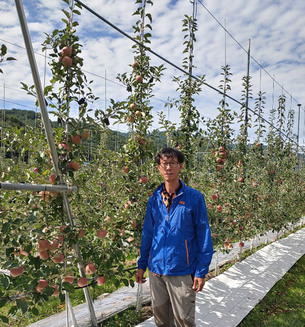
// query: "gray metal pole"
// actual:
[[50, 138], [298, 136], [247, 92], [37, 187]]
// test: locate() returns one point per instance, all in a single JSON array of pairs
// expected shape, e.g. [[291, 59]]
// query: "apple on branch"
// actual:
[[15, 272]]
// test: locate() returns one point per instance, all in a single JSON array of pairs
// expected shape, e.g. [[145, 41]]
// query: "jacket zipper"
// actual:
[[187, 253]]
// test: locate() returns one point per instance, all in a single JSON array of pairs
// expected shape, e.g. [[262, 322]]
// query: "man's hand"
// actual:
[[198, 284], [140, 276]]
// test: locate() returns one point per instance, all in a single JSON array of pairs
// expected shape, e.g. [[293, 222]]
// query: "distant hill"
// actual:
[[23, 118]]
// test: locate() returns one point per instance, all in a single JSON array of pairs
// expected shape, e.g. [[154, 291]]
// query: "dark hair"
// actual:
[[171, 153]]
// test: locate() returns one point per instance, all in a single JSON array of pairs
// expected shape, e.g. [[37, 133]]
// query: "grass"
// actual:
[[128, 318], [284, 305]]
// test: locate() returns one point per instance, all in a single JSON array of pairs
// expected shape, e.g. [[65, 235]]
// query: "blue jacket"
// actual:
[[177, 242]]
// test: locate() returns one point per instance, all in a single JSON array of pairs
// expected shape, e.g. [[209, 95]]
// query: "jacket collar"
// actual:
[[157, 192]]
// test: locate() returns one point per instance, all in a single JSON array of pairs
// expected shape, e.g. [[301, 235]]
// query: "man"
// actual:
[[176, 245]]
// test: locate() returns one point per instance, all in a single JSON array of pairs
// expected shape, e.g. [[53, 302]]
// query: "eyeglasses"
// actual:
[[172, 164]]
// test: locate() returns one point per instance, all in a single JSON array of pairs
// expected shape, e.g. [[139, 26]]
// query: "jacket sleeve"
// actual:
[[147, 236], [204, 238]]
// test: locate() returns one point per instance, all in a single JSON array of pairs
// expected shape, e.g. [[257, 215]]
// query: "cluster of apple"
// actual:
[[220, 157], [64, 149], [135, 66], [135, 110], [47, 249], [65, 56], [142, 180]]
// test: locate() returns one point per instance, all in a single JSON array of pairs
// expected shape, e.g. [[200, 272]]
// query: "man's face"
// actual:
[[170, 168]]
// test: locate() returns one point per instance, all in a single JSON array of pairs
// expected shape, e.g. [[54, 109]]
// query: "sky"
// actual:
[[274, 29]]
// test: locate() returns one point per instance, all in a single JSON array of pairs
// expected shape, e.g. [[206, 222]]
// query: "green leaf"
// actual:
[[35, 311], [4, 281], [22, 305], [3, 302], [5, 227], [3, 50], [68, 287], [4, 319]]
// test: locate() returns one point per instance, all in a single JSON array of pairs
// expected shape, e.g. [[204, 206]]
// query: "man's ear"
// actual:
[[159, 168]]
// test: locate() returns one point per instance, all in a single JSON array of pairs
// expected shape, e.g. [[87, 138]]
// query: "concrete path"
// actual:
[[229, 297]]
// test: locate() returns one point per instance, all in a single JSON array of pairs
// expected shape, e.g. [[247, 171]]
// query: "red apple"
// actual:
[[218, 167], [240, 179], [135, 64], [76, 139], [139, 79], [52, 179], [219, 208], [62, 228], [61, 238], [90, 269], [125, 169], [143, 180], [81, 233], [221, 149], [54, 245], [215, 196], [101, 233], [82, 282], [64, 146], [67, 61], [58, 257], [85, 135], [101, 280], [43, 245], [73, 165], [56, 290], [22, 252], [132, 106], [130, 119], [44, 255], [41, 285], [241, 244], [15, 272], [35, 170], [66, 51], [69, 279]]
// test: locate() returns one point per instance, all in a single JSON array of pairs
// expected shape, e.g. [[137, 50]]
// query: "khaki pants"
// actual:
[[173, 300]]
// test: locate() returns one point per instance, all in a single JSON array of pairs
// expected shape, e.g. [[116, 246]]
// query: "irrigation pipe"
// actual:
[[181, 69]]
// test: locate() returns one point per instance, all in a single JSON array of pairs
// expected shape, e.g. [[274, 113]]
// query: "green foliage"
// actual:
[[249, 188], [3, 57]]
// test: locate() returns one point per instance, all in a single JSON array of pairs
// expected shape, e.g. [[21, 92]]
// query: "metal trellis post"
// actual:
[[51, 143]]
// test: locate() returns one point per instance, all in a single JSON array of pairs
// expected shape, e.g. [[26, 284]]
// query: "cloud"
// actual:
[[276, 30]]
